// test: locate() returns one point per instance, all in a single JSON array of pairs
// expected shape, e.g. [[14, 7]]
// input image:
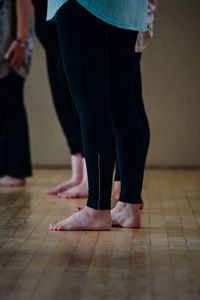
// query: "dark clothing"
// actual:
[[99, 63], [140, 108], [14, 140], [8, 31], [40, 10], [65, 109]]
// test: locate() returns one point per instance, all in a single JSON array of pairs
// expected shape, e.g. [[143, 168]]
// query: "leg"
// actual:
[[14, 141], [76, 179], [140, 103], [145, 125], [128, 126], [65, 109], [79, 190], [83, 40]]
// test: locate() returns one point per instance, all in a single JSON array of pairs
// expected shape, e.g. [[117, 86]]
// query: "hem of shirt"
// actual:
[[51, 16], [4, 74], [92, 10]]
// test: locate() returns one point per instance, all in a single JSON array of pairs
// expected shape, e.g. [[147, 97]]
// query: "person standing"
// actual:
[[15, 54], [97, 41], [142, 41], [77, 185]]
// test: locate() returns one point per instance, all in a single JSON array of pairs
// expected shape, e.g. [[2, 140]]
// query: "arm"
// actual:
[[24, 14], [17, 50], [150, 16], [144, 37]]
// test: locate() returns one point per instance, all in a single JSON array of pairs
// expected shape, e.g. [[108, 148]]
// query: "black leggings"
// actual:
[[65, 109], [14, 139], [99, 63], [141, 110]]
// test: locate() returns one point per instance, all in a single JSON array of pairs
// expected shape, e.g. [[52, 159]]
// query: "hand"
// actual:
[[17, 53]]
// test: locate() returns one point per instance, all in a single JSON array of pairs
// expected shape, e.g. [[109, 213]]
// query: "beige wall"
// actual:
[[171, 82]]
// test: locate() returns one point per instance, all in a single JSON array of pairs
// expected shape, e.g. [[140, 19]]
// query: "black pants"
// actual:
[[99, 63], [141, 110], [14, 140], [65, 109]]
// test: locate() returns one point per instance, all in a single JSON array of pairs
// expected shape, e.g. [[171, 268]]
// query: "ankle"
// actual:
[[76, 179], [92, 211], [77, 169], [123, 205], [117, 187]]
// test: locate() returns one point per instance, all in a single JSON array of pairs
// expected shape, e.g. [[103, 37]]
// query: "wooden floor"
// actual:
[[159, 261]]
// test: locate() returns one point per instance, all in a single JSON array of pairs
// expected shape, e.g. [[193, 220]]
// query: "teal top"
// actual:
[[127, 14]]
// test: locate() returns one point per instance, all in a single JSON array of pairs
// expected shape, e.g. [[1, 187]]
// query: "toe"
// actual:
[[65, 195], [69, 196], [51, 192], [62, 195], [54, 227], [59, 228], [50, 226]]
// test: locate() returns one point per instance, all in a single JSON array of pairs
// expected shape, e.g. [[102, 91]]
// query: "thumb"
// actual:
[[10, 50]]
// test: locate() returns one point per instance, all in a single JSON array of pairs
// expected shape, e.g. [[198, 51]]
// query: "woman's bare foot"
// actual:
[[80, 190], [9, 181], [126, 215], [86, 219], [62, 187], [116, 194], [77, 175]]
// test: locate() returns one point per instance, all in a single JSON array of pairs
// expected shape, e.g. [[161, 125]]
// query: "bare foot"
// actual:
[[116, 194], [8, 181], [62, 187], [80, 190], [77, 176], [126, 215], [86, 219]]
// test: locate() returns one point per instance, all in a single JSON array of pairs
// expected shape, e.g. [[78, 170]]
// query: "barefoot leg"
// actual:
[[80, 190], [77, 174]]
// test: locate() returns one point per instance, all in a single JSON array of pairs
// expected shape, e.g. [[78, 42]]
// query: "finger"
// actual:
[[10, 50], [13, 62], [18, 62], [17, 65]]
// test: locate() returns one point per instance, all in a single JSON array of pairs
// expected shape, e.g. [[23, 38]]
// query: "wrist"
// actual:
[[21, 43]]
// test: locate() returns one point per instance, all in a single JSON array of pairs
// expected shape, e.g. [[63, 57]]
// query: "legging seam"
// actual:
[[99, 174]]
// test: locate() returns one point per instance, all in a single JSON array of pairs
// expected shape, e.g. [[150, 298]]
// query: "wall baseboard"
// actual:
[[148, 167]]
